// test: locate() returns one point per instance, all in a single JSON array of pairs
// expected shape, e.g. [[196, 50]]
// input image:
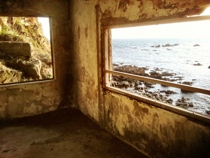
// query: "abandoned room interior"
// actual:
[[66, 96]]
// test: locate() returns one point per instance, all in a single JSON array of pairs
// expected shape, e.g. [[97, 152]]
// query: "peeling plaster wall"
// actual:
[[83, 30], [154, 131], [31, 99]]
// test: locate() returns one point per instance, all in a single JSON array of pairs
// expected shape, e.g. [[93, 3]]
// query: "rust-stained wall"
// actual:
[[36, 98], [152, 130], [156, 132]]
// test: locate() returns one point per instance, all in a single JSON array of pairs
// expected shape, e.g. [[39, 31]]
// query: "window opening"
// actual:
[[25, 50], [168, 63]]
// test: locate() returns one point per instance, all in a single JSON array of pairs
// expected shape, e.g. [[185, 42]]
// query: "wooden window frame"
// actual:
[[108, 71]]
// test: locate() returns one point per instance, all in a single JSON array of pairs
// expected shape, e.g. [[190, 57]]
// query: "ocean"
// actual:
[[187, 58]]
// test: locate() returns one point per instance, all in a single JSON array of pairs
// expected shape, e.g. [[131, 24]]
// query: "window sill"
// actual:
[[175, 109]]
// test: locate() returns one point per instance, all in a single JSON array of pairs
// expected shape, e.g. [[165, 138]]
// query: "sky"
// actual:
[[174, 30], [45, 25]]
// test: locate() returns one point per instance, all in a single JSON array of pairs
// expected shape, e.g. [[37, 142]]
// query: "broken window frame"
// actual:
[[108, 70]]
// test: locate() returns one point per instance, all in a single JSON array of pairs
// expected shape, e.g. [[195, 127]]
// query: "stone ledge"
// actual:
[[15, 48]]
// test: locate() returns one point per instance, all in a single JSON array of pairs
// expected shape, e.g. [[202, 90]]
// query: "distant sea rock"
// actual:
[[197, 64], [156, 46], [165, 45], [196, 45], [170, 45]]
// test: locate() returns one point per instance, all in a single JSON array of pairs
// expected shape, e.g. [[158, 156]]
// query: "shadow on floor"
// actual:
[[64, 133]]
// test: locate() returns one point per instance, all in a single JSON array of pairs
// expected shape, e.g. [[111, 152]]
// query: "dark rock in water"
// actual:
[[156, 46], [155, 74], [167, 74], [170, 45], [168, 92], [170, 101], [131, 69], [208, 112], [137, 83], [124, 84], [184, 103], [149, 85], [157, 69], [187, 83], [197, 64], [179, 77], [191, 104], [196, 45], [114, 83]]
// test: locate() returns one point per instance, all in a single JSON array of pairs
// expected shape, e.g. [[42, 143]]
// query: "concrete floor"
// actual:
[[61, 134]]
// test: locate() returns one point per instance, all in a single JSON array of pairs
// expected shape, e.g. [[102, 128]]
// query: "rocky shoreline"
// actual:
[[149, 89]]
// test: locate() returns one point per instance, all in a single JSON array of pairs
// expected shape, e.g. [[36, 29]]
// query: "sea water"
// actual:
[[187, 58]]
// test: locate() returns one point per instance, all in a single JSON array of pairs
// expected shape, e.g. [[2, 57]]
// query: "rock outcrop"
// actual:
[[9, 75]]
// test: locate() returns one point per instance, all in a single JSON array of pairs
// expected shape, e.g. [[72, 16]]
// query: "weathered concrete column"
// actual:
[[15, 48]]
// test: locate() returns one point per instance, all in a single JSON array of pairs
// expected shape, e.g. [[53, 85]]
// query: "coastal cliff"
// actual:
[[25, 53]]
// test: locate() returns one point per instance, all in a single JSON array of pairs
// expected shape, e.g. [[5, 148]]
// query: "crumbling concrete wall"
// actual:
[[31, 99], [83, 29], [152, 130]]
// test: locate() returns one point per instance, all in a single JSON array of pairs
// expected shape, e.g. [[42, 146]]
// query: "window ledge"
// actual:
[[175, 109]]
